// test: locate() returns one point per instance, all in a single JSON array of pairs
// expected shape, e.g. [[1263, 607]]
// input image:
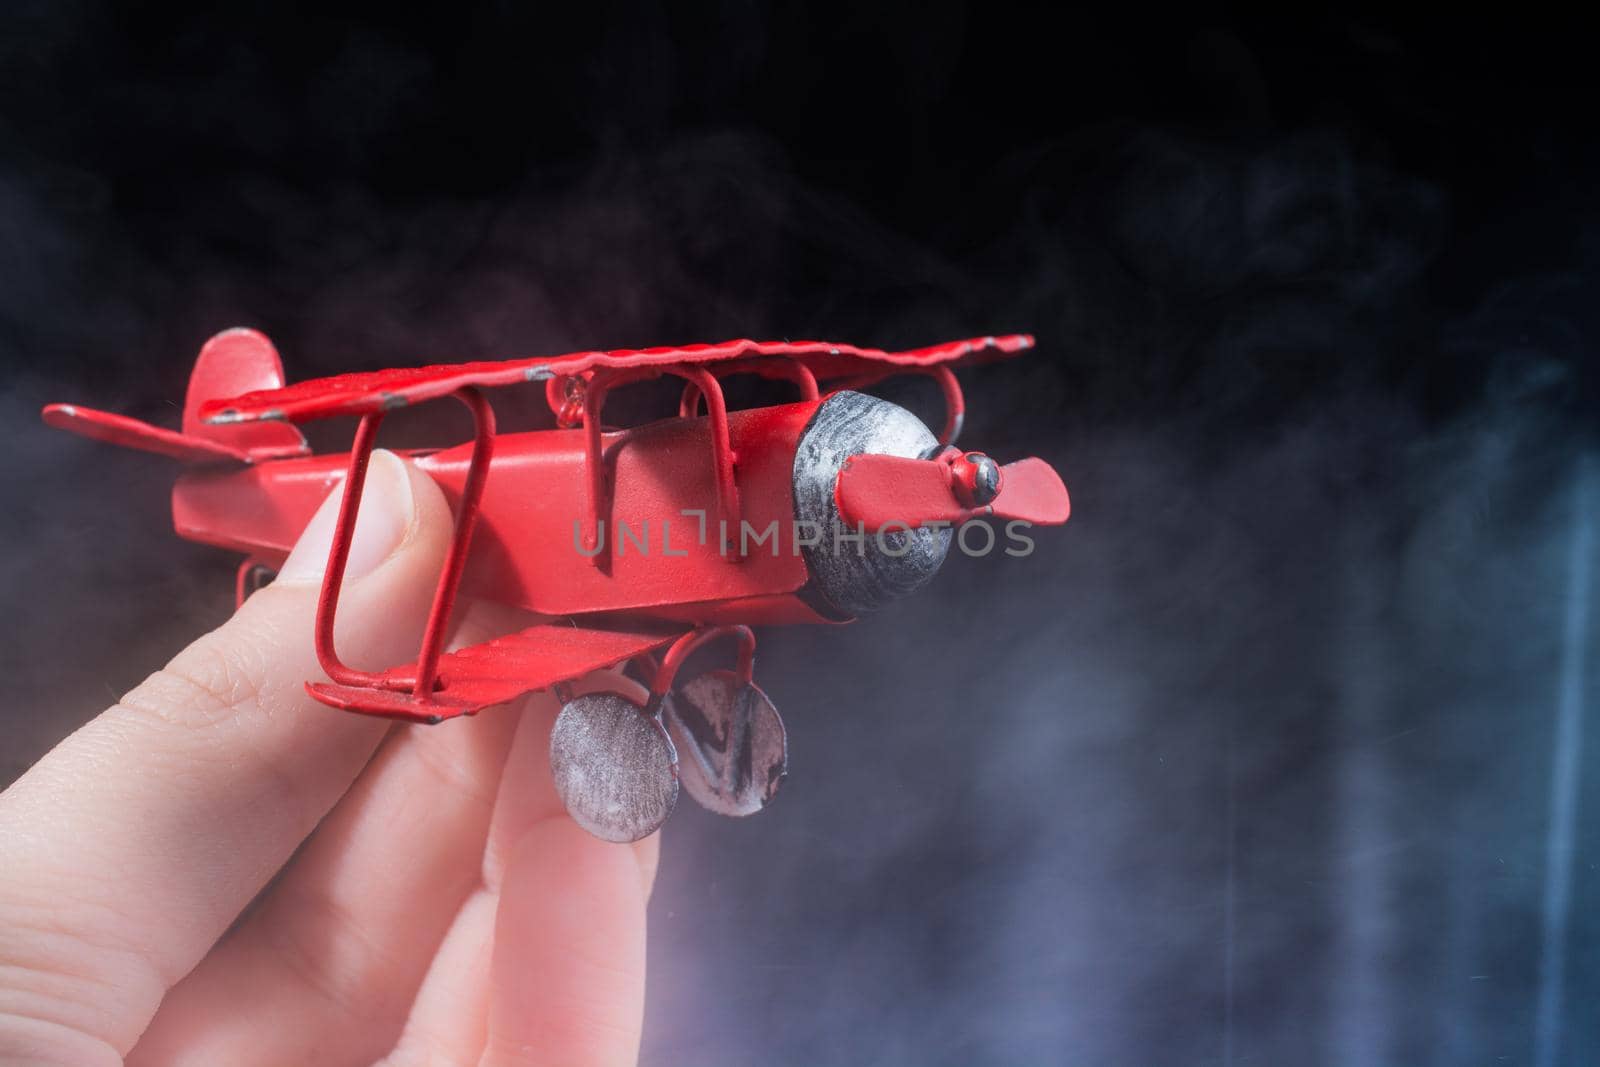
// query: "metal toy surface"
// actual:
[[624, 543]]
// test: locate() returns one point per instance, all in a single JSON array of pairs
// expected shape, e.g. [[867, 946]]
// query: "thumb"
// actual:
[[131, 847]]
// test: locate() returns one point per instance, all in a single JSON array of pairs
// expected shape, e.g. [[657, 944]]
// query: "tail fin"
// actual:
[[231, 363]]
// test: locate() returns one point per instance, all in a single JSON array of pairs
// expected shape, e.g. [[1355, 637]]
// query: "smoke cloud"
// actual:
[[1277, 753]]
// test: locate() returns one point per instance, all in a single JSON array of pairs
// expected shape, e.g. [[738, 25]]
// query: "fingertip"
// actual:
[[648, 855], [398, 504], [432, 516], [266, 650], [569, 958], [402, 534]]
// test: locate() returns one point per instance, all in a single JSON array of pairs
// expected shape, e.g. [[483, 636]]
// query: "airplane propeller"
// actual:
[[890, 492]]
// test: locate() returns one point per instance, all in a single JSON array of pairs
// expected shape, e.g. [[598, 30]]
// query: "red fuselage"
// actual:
[[663, 554]]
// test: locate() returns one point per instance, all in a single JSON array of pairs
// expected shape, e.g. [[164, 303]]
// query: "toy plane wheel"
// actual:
[[733, 747], [614, 766]]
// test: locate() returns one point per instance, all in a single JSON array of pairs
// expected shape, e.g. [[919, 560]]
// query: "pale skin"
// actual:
[[219, 870]]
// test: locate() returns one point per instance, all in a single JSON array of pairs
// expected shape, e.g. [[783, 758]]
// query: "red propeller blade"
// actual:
[[892, 492], [1031, 490]]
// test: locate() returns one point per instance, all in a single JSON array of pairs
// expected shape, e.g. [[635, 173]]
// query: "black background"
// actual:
[[1251, 763]]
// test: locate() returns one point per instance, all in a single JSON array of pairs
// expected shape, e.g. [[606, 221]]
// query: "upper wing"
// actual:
[[360, 394], [496, 671]]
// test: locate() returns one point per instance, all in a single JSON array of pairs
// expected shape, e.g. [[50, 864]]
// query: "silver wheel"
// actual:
[[614, 767], [734, 749]]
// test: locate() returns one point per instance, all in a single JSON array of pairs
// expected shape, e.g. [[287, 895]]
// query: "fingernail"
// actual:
[[387, 512]]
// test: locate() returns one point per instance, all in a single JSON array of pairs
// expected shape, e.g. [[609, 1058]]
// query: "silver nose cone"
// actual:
[[852, 573]]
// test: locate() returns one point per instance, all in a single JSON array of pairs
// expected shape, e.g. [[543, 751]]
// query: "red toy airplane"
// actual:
[[626, 542]]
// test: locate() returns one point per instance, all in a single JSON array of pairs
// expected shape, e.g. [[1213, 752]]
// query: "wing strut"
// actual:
[[955, 404], [598, 499], [420, 683]]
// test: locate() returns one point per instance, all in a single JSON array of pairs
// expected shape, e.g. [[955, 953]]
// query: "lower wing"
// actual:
[[496, 671]]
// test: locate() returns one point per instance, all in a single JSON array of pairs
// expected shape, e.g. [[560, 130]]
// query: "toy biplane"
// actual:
[[632, 546]]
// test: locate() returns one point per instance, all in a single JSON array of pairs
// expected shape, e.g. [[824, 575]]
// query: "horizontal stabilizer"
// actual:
[[133, 433]]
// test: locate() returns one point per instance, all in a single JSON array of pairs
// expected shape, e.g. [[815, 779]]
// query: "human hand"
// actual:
[[221, 871]]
